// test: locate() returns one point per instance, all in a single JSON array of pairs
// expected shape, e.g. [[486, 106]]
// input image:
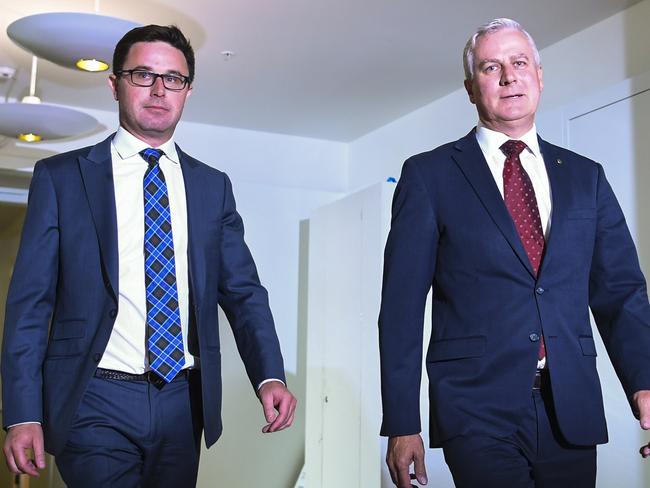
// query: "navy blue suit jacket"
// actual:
[[62, 300], [451, 231]]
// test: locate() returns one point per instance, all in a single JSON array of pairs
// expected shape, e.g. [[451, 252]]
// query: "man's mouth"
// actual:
[[515, 96]]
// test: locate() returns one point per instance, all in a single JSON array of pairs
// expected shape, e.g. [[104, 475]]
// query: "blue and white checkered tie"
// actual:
[[164, 335]]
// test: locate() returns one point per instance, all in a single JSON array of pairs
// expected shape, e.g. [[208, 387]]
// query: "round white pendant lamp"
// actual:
[[33, 121], [74, 40]]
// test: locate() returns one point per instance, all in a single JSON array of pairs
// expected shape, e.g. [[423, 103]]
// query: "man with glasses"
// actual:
[[111, 355]]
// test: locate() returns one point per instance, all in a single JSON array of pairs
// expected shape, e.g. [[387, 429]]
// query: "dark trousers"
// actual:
[[536, 455], [130, 434]]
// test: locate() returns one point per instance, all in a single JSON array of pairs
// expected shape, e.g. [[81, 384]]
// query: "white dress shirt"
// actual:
[[531, 159], [127, 347]]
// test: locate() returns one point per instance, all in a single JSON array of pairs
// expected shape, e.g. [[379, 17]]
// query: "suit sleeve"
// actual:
[[409, 265], [618, 294], [245, 301], [30, 302]]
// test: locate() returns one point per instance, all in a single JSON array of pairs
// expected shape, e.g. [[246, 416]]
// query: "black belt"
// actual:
[[541, 379], [149, 376]]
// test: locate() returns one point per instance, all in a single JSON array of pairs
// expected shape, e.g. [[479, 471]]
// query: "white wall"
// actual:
[[591, 60]]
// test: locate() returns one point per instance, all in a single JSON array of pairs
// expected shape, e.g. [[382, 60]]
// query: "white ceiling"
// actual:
[[333, 69]]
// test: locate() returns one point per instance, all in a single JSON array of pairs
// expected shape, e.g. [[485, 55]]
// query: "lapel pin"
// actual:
[[558, 161]]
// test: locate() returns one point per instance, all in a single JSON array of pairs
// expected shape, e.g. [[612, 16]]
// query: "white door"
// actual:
[[613, 128], [343, 411]]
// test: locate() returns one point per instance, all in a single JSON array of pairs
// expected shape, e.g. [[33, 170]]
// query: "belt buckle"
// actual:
[[155, 380]]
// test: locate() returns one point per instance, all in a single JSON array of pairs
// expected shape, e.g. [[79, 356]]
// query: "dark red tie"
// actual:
[[521, 202]]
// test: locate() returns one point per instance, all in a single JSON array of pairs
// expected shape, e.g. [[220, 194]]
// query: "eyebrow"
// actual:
[[150, 69], [498, 61]]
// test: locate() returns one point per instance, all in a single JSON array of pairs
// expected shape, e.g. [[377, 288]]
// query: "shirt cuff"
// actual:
[[31, 422], [268, 381]]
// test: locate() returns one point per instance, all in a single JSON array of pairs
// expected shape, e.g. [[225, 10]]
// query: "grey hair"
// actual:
[[489, 28]]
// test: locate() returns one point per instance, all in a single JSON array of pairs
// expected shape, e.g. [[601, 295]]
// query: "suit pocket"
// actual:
[[587, 345], [67, 339], [70, 329], [581, 214], [459, 348]]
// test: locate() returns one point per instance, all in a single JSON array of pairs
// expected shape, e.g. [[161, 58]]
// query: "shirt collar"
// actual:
[[127, 146], [491, 140]]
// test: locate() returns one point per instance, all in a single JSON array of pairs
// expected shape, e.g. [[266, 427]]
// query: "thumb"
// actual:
[[269, 411]]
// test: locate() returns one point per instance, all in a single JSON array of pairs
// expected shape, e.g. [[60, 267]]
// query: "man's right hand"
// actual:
[[20, 440], [402, 452]]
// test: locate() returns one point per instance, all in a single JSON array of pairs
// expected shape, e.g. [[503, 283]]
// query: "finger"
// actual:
[[290, 415], [645, 450], [393, 476], [23, 462], [403, 477], [11, 462], [420, 467], [283, 413], [391, 470], [39, 452], [269, 409]]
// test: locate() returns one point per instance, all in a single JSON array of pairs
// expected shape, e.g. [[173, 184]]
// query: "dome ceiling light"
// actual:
[[83, 41], [33, 121]]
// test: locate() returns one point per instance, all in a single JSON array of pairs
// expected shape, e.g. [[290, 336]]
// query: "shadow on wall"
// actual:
[[244, 456]]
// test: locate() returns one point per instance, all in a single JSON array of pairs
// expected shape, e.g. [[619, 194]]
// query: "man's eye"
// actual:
[[520, 64], [490, 68], [143, 75], [173, 80]]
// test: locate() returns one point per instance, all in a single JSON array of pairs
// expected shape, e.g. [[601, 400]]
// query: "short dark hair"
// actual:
[[171, 34]]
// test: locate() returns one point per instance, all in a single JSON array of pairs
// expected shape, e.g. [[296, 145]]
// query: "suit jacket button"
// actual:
[[533, 337], [113, 313], [97, 357], [539, 290]]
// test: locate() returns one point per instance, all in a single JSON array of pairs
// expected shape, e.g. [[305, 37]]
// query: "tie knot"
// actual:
[[151, 155], [513, 148]]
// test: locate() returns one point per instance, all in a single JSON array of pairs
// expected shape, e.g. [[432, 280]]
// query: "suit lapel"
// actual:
[[560, 191], [472, 163], [195, 208], [97, 174]]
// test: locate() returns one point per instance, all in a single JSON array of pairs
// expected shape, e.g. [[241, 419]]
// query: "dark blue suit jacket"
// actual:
[[451, 231], [62, 300]]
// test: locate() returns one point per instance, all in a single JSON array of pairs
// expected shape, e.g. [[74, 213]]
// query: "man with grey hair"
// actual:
[[518, 239]]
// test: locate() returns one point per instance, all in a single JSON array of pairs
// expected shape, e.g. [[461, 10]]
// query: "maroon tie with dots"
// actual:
[[521, 202]]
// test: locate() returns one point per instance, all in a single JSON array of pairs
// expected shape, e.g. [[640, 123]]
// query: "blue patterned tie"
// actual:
[[164, 335]]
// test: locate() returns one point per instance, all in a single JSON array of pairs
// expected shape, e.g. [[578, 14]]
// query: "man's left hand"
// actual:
[[641, 400], [279, 406]]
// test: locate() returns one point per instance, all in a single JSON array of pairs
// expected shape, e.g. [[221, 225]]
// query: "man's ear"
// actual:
[[470, 91], [112, 84]]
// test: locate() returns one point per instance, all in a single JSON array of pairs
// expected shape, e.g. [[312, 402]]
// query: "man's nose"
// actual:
[[508, 76], [158, 88]]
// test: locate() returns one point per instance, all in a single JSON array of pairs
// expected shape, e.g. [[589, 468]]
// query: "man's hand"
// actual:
[[20, 439], [641, 400], [279, 406], [402, 451]]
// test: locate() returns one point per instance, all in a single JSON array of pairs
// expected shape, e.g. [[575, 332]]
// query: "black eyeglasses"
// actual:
[[147, 78]]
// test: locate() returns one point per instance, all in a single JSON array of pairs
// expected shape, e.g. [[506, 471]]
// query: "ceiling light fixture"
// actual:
[[74, 40], [32, 121]]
